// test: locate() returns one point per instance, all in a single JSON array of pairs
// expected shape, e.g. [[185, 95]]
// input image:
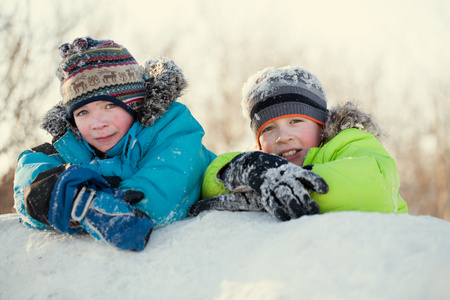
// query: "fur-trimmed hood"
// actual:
[[348, 115], [164, 83]]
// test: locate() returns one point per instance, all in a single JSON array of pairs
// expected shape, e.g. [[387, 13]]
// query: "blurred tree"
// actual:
[[426, 159], [28, 44]]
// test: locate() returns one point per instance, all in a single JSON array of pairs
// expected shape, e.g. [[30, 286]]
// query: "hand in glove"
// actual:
[[82, 199], [245, 201], [39, 193], [281, 185], [110, 218]]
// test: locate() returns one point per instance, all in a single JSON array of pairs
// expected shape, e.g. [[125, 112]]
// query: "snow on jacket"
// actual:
[[361, 175], [162, 154]]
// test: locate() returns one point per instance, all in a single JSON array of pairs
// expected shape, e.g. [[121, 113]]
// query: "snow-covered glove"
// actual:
[[244, 201], [283, 186], [109, 218], [82, 199]]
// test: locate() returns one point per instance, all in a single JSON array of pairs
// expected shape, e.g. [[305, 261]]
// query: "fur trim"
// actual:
[[164, 83], [55, 122], [347, 115]]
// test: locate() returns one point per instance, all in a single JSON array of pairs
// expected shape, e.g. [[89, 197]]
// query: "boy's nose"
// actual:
[[98, 122], [283, 136]]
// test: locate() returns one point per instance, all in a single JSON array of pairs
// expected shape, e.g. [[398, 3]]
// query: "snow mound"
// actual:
[[225, 255]]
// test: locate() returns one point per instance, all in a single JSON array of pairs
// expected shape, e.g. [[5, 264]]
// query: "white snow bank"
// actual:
[[224, 255]]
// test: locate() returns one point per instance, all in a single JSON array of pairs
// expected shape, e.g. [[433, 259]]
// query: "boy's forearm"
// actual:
[[38, 194], [212, 186], [357, 184], [30, 164]]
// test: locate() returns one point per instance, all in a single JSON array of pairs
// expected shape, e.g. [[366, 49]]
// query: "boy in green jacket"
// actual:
[[312, 160]]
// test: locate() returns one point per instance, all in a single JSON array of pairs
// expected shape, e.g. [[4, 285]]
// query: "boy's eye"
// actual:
[[296, 121], [81, 113], [110, 105], [267, 129]]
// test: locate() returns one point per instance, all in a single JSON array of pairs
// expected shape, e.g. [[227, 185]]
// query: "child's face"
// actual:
[[290, 137], [102, 124]]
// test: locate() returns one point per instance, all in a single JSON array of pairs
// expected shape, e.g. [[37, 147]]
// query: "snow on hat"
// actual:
[[276, 92], [94, 70]]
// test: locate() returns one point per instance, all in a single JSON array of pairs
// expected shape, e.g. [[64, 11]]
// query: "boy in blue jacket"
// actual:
[[125, 157]]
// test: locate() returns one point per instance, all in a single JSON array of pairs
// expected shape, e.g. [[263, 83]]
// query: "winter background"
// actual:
[[391, 56]]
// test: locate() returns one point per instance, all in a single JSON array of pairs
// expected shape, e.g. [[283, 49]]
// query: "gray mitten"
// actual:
[[282, 186], [246, 201]]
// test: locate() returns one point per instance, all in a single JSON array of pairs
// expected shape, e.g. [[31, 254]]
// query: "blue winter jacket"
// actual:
[[165, 161]]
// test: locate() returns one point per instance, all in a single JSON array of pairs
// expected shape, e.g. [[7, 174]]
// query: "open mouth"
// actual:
[[289, 153]]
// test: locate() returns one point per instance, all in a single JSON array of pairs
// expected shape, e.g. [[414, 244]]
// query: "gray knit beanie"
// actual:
[[276, 92]]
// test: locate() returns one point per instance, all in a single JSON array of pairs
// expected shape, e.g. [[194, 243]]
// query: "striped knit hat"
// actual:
[[94, 70], [276, 92]]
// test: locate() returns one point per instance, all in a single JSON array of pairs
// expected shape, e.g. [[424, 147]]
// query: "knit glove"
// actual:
[[282, 186], [83, 201], [245, 201]]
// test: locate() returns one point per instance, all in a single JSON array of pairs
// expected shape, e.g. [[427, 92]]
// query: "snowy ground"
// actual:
[[224, 255]]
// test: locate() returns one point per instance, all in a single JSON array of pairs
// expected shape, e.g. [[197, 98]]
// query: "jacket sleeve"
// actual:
[[171, 172], [33, 184], [212, 186], [360, 173]]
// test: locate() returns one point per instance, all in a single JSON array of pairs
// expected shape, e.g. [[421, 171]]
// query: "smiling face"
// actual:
[[290, 137], [102, 124]]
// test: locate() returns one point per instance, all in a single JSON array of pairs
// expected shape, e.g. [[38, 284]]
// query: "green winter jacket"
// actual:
[[360, 173]]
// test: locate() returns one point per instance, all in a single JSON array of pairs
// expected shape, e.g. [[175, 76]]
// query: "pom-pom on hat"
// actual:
[[99, 70], [275, 92]]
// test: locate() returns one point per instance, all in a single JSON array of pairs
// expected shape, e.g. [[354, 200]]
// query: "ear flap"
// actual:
[[55, 122], [165, 82]]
